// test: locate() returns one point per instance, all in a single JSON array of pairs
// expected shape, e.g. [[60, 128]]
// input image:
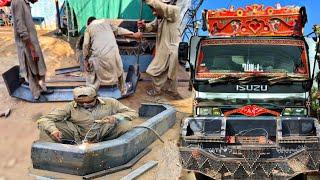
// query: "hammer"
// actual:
[[5, 113]]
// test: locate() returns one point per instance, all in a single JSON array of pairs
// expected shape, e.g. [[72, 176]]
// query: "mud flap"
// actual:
[[18, 89]]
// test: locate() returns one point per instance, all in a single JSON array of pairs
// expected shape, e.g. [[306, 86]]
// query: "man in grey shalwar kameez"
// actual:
[[100, 50], [32, 65]]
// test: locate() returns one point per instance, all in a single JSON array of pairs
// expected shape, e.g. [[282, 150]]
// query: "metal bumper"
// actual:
[[20, 90], [128, 59], [251, 164], [104, 155]]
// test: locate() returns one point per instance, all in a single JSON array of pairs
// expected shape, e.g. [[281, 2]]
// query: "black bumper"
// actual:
[[250, 163]]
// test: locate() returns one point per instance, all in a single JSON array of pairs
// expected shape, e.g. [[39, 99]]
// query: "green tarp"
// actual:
[[111, 9]]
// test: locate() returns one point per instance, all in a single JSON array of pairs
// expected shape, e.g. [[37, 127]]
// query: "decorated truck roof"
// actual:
[[256, 20], [4, 2]]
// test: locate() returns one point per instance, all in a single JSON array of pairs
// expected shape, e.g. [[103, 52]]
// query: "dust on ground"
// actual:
[[19, 130]]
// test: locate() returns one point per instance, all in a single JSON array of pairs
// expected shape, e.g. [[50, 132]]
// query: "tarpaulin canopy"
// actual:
[[4, 2], [111, 9]]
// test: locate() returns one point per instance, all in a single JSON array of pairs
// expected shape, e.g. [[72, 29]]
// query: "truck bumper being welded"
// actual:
[[72, 159]]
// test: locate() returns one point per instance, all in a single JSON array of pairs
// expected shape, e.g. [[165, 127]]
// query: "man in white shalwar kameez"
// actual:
[[102, 58]]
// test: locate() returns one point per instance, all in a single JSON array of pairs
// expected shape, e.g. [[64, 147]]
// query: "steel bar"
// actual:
[[64, 78], [136, 66], [138, 172], [67, 70]]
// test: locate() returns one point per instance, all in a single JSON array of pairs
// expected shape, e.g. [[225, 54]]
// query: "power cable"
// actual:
[[152, 130]]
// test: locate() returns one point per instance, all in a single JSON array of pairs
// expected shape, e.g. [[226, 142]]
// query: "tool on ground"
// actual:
[[141, 170], [5, 113]]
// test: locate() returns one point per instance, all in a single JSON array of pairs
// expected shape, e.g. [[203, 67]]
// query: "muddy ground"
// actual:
[[19, 130]]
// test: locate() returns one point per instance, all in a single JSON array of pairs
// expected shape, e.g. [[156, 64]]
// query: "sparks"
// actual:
[[83, 146]]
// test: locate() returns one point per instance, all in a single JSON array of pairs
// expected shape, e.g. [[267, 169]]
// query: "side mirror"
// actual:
[[183, 52]]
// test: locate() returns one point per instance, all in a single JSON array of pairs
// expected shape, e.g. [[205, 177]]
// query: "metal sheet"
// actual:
[[21, 90], [62, 93], [130, 60], [119, 168]]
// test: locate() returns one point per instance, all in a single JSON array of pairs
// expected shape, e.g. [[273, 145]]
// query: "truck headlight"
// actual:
[[209, 111], [216, 112], [205, 111], [294, 112]]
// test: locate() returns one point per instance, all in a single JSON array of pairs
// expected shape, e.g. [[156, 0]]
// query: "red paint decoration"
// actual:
[[252, 111], [255, 20], [4, 2]]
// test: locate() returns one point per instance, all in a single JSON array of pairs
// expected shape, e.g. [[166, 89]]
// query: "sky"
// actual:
[[312, 6]]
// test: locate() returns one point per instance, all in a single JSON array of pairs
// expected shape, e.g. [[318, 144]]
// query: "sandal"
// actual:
[[153, 92]]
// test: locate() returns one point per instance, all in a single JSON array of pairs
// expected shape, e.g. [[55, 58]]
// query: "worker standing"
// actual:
[[31, 61], [163, 68], [101, 53]]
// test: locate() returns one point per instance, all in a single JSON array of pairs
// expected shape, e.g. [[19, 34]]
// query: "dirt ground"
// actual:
[[19, 130]]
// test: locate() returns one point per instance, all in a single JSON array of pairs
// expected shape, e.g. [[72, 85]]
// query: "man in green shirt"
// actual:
[[88, 117]]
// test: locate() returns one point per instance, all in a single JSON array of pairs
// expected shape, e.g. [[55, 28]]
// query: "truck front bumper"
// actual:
[[251, 163]]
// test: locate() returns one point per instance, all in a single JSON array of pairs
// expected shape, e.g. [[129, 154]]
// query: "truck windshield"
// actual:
[[237, 58]]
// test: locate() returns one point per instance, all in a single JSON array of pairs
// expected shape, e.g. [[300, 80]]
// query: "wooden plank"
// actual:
[[141, 170]]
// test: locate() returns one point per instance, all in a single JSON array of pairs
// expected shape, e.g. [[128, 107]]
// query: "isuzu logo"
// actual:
[[252, 88]]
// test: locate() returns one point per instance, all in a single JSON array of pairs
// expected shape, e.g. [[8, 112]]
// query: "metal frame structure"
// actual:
[[71, 28], [190, 18]]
